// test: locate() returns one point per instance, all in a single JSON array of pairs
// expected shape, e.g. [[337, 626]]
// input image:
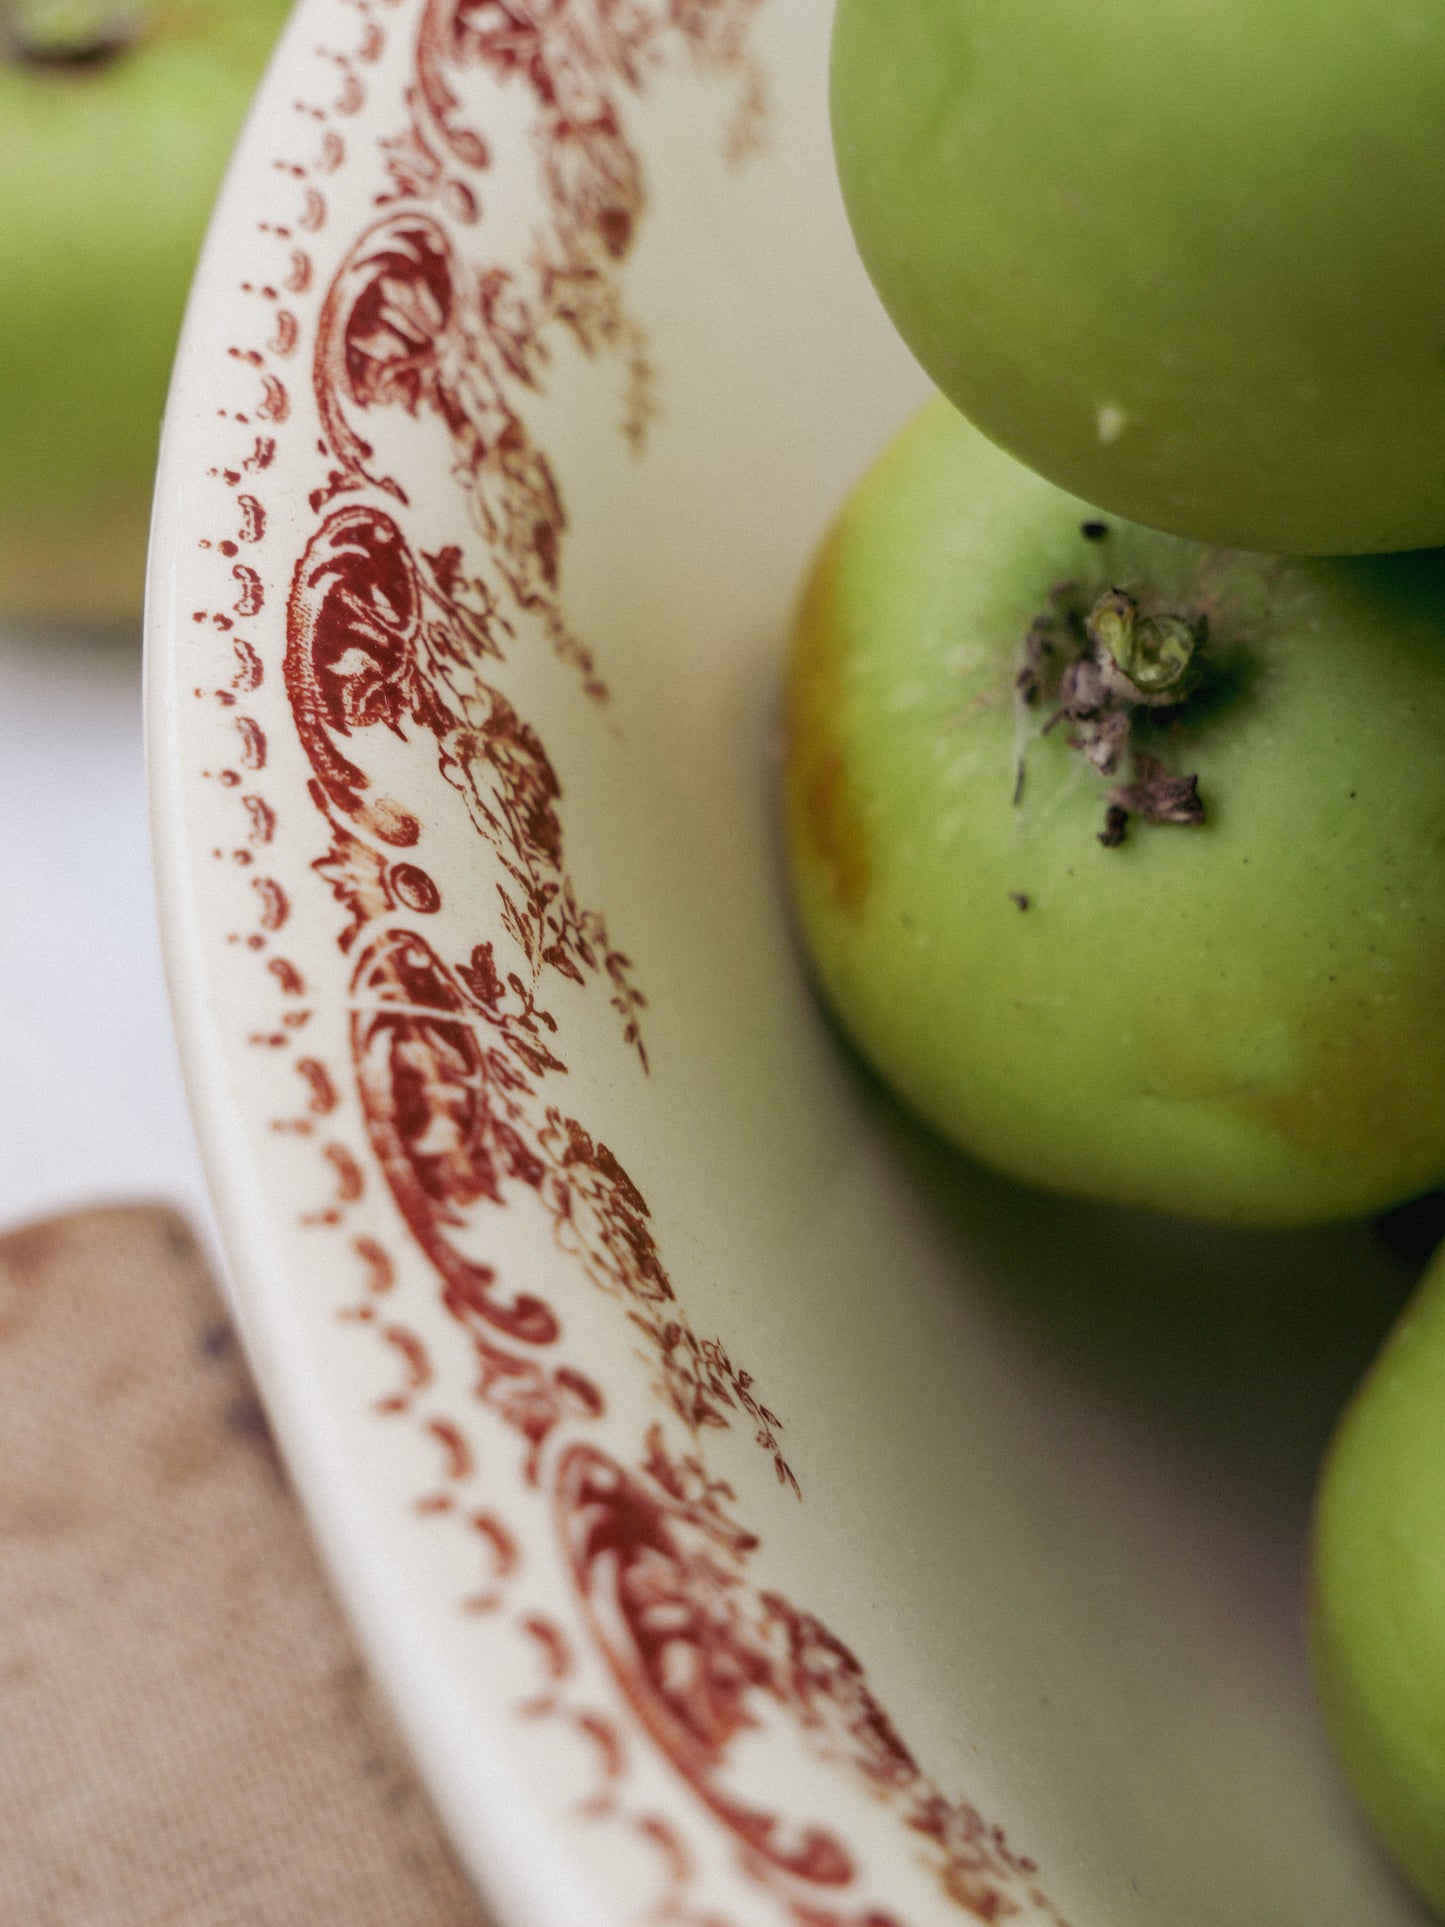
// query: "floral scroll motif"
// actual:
[[458, 1046]]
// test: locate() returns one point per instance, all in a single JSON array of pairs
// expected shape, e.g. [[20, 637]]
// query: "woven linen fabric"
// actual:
[[188, 1737]]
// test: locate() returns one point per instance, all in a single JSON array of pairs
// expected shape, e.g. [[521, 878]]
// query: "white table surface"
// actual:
[[92, 1109]]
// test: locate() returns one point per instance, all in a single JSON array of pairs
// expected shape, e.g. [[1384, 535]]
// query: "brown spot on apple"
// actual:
[[827, 823]]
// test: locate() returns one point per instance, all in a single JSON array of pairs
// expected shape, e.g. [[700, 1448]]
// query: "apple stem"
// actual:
[[1106, 667], [1144, 658]]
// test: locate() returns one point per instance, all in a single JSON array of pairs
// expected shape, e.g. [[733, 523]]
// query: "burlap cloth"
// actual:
[[187, 1734]]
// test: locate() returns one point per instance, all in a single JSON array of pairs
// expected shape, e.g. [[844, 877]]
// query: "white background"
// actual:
[[92, 1108]]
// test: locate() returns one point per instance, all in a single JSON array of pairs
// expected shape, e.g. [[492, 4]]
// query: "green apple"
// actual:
[[1184, 260], [1377, 1620], [116, 122], [1121, 858]]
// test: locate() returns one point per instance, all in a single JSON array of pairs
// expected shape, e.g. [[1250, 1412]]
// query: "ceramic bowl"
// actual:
[[756, 1515]]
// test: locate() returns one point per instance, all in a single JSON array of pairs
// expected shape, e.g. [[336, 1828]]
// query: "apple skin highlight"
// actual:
[[1239, 1020], [109, 166]]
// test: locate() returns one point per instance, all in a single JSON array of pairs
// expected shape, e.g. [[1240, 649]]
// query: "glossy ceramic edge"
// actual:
[[508, 1847]]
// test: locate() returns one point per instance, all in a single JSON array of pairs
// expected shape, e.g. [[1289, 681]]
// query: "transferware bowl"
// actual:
[[759, 1517]]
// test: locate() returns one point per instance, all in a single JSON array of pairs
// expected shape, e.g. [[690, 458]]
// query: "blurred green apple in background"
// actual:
[[116, 122]]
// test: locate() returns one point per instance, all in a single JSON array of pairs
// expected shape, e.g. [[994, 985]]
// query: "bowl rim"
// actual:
[[514, 1853]]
